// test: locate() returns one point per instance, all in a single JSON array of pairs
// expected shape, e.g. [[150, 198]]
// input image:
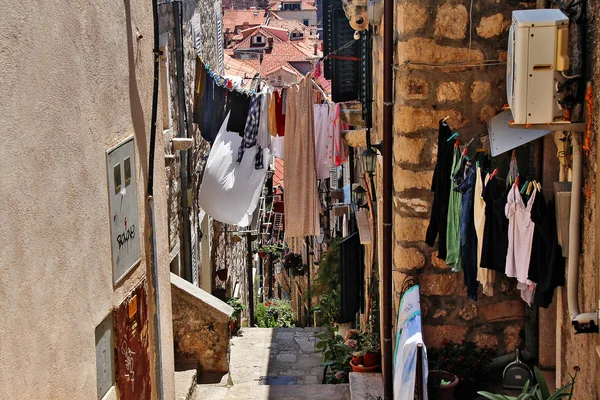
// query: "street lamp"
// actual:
[[369, 158], [359, 194]]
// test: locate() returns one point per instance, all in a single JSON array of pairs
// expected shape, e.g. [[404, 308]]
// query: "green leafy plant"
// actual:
[[326, 286], [336, 355], [271, 248], [371, 342], [538, 391], [274, 313], [465, 360], [238, 308]]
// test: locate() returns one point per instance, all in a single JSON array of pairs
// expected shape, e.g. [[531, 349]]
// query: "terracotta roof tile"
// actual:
[[233, 18]]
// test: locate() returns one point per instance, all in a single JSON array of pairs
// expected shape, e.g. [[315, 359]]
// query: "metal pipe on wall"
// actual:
[[150, 234], [250, 279], [182, 132], [386, 281]]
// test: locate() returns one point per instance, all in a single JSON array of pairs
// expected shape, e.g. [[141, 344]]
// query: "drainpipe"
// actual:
[[250, 279], [586, 322], [182, 133], [152, 258], [386, 281]]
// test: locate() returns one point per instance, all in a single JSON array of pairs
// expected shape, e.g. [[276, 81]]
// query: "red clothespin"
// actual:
[[456, 144], [494, 173], [464, 153], [517, 180]]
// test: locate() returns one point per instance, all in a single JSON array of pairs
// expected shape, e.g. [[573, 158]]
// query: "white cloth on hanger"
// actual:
[[520, 239], [230, 190], [323, 141], [263, 139], [278, 146]]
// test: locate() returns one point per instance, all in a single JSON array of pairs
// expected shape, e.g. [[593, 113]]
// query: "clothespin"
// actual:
[[524, 188], [529, 187], [516, 180], [494, 173], [538, 186], [456, 144], [446, 119], [455, 134]]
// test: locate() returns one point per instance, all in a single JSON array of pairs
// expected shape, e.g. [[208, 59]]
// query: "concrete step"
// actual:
[[283, 392], [366, 386]]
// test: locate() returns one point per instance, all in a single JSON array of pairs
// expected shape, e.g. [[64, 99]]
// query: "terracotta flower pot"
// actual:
[[358, 360], [222, 274], [372, 359], [442, 392], [362, 368]]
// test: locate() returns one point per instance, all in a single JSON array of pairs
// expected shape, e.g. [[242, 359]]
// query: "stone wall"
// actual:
[[581, 350], [199, 21], [433, 37], [200, 327]]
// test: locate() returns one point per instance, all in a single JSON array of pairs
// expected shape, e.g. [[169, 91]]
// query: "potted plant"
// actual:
[[539, 391], [292, 263], [236, 317], [372, 348], [465, 360], [358, 357], [222, 274], [441, 384], [270, 249]]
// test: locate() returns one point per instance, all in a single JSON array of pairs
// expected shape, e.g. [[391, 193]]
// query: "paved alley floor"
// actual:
[[282, 355]]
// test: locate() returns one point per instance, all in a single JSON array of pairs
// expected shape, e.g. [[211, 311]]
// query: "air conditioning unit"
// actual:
[[537, 59]]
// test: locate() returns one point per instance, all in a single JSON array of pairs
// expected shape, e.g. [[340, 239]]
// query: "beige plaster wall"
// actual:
[[76, 82]]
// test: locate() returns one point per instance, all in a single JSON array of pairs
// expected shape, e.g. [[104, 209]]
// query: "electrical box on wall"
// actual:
[[537, 59], [124, 219]]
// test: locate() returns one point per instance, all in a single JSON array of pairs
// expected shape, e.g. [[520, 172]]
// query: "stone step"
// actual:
[[366, 386], [283, 392]]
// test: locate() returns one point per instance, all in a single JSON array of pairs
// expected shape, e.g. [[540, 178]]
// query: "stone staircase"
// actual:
[[272, 364]]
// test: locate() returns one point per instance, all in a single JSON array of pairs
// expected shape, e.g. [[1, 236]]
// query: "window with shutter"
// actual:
[[343, 68], [351, 277]]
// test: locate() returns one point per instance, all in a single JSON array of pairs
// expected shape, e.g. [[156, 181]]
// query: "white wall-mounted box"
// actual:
[[537, 54]]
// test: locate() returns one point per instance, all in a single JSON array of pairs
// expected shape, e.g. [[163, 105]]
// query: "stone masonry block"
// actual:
[[451, 21], [411, 16], [410, 119], [492, 26], [438, 284], [504, 311], [486, 340], [437, 262], [418, 49], [412, 88], [480, 90], [468, 312], [451, 92], [405, 179], [433, 335], [408, 258], [408, 150], [487, 112], [410, 229], [412, 205], [512, 338]]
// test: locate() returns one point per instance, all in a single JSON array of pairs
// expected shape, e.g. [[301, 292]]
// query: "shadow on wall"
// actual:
[[135, 103]]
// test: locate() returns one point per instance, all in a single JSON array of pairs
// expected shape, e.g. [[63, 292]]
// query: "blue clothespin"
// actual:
[[452, 137]]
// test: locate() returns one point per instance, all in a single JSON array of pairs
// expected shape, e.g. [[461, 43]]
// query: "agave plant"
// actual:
[[538, 391]]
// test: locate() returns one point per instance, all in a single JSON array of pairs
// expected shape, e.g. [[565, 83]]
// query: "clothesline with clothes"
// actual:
[[486, 228], [246, 131]]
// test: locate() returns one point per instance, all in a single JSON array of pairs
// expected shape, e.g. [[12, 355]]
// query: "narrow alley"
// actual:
[[280, 363]]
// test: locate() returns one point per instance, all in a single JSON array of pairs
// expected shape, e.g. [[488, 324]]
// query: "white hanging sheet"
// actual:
[[408, 337], [230, 191]]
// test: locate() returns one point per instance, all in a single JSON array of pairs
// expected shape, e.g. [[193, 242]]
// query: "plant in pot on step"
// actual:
[[372, 349], [465, 360], [236, 317]]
